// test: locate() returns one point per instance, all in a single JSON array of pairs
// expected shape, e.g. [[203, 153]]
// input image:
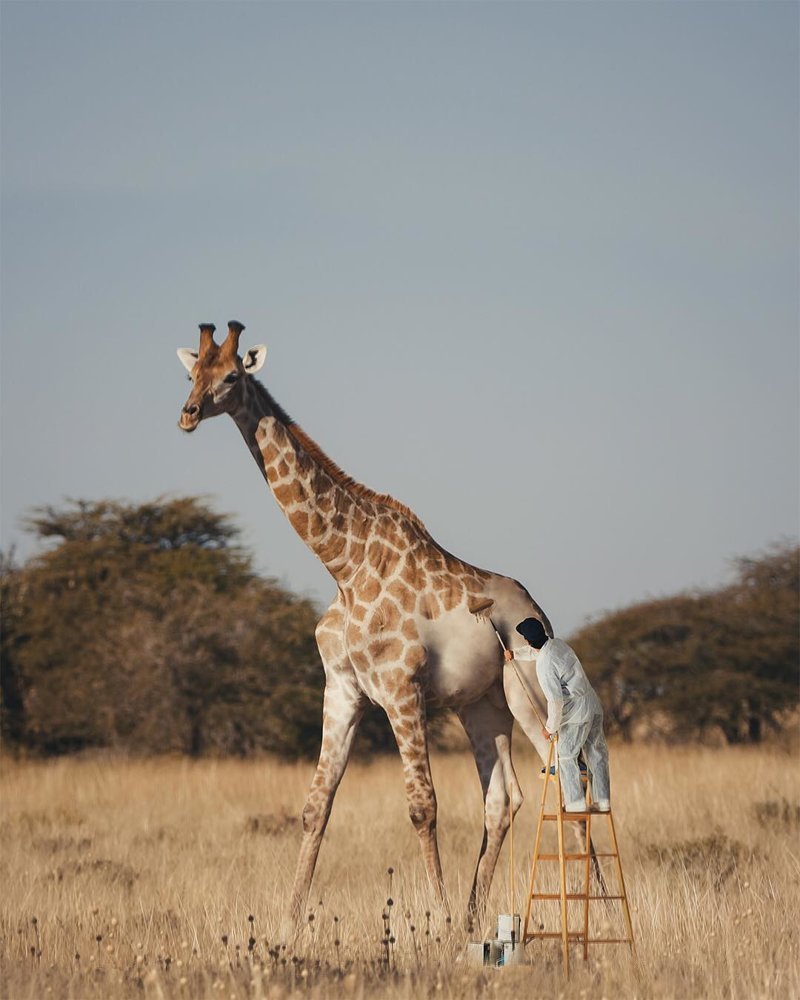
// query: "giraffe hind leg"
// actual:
[[488, 723], [406, 713]]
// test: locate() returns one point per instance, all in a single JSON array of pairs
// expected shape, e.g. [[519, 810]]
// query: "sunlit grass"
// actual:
[[168, 878]]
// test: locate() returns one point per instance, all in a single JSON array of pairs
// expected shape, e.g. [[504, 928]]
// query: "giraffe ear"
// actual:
[[254, 359], [188, 357]]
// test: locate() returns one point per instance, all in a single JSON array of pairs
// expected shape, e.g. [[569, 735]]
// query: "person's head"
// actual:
[[533, 631]]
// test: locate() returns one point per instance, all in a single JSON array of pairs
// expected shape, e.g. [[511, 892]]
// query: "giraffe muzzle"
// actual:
[[190, 417]]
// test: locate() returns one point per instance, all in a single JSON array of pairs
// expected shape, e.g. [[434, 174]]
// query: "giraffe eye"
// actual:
[[231, 377]]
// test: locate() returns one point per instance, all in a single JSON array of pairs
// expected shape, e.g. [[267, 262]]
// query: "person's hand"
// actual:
[[508, 656], [546, 735]]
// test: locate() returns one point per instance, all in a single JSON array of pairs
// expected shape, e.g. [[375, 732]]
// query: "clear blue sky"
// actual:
[[532, 268]]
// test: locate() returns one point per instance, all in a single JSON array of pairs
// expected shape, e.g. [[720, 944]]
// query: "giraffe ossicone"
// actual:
[[403, 630]]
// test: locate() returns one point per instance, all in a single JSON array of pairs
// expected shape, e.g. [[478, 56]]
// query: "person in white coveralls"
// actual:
[[574, 712]]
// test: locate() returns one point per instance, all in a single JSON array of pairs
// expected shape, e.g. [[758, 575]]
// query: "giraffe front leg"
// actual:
[[406, 714], [343, 707], [527, 715]]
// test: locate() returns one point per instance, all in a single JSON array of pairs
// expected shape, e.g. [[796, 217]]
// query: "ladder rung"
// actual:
[[572, 935], [568, 817], [609, 941], [567, 857], [573, 857], [576, 936], [570, 895]]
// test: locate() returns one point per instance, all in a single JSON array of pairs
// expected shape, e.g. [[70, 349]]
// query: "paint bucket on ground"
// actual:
[[503, 949], [484, 952]]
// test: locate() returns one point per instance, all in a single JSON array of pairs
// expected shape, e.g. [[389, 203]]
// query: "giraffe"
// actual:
[[401, 631]]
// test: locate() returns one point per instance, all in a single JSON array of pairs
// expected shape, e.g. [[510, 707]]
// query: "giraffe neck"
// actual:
[[331, 517]]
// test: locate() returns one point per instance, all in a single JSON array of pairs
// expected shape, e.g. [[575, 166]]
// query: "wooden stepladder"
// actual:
[[563, 896]]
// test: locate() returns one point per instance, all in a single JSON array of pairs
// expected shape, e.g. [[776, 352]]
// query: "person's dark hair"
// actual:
[[533, 630]]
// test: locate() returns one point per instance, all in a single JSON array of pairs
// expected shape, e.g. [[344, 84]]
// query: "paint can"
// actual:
[[505, 948], [513, 954], [508, 938], [508, 927], [484, 952]]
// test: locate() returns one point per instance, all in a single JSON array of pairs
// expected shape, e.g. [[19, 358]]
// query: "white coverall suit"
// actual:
[[575, 713]]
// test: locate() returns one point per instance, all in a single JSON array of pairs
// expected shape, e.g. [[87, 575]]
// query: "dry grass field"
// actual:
[[167, 878]]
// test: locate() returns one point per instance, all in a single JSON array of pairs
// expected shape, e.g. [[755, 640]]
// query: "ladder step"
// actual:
[[567, 857], [570, 895], [573, 857], [568, 817], [572, 935], [576, 936], [610, 941]]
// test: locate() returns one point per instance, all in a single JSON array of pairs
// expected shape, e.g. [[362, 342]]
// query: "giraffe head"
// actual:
[[217, 372]]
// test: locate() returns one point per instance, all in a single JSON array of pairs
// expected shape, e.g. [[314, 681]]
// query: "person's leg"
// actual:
[[570, 741], [596, 752]]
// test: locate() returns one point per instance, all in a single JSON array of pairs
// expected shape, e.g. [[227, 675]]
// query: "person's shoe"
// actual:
[[602, 806], [575, 807]]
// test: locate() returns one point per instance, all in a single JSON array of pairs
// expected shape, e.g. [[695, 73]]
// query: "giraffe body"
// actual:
[[400, 632]]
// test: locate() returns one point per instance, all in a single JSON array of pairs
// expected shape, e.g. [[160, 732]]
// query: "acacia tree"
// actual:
[[725, 660], [145, 628], [762, 644], [11, 640]]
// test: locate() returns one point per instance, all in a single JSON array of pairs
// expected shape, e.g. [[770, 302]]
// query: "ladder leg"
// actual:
[[511, 855], [586, 886], [562, 878], [539, 826], [621, 878]]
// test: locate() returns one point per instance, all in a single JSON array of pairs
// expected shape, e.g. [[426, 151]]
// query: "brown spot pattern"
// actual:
[[385, 649], [387, 616], [403, 594], [269, 453], [411, 574], [299, 521], [333, 548], [415, 658], [409, 629], [370, 590]]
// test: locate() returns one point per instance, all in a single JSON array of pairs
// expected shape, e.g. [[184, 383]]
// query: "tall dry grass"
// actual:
[[167, 879]]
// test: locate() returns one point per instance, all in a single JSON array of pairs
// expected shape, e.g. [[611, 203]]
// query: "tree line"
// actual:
[[146, 629], [724, 661]]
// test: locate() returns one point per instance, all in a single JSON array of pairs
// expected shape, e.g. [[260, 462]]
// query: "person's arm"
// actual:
[[551, 685]]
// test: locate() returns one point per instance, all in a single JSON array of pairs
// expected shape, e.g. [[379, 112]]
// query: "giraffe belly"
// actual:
[[464, 661], [464, 657]]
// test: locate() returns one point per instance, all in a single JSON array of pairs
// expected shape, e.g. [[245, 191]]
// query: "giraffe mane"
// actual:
[[337, 474]]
